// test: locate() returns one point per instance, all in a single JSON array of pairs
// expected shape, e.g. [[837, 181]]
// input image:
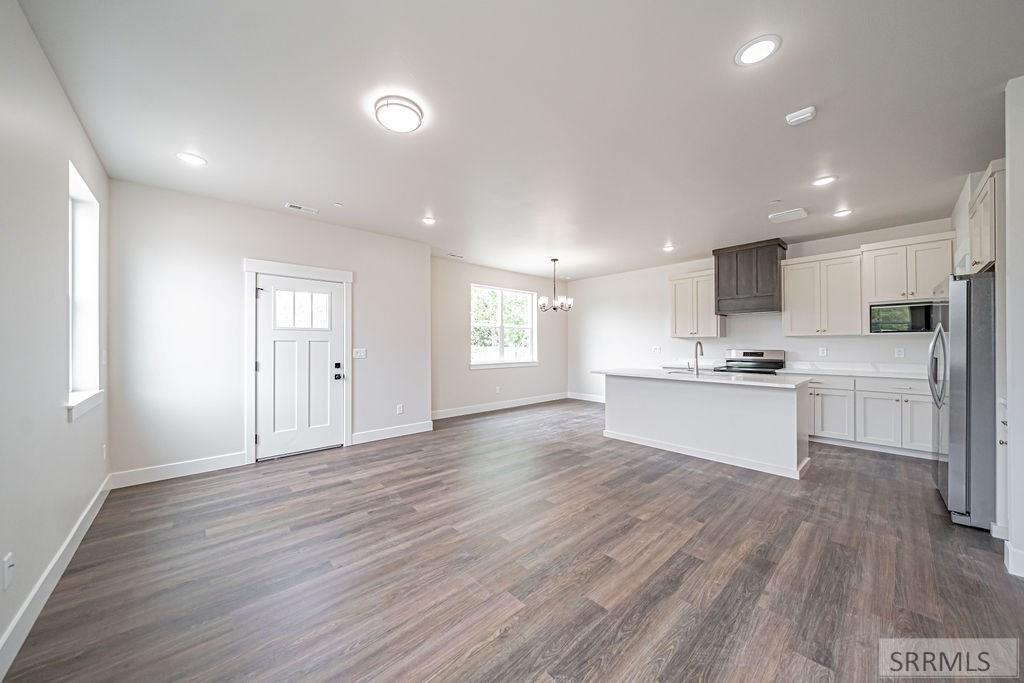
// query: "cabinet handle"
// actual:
[[897, 400], [1002, 442], [1004, 422], [974, 263], [906, 400], [912, 294], [903, 293]]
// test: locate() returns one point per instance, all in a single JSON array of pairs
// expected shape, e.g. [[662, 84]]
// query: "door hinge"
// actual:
[[257, 439], [257, 366], [258, 290]]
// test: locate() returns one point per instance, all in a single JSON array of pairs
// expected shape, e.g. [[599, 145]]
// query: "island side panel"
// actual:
[[760, 428]]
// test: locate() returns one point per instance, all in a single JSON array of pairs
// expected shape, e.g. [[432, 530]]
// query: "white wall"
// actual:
[[1014, 266], [177, 300], [617, 319], [50, 470], [456, 388]]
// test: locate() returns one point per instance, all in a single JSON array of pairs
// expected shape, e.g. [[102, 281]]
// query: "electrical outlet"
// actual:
[[359, 353], [822, 351], [900, 352], [497, 390], [655, 349], [399, 408], [8, 570]]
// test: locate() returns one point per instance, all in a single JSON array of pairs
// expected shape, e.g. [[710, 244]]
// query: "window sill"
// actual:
[[81, 402], [489, 366]]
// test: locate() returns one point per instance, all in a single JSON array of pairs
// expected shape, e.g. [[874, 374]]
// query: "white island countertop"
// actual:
[[880, 370], [787, 381]]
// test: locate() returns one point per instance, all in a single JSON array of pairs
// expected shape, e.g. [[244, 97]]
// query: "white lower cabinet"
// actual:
[[834, 414], [918, 418], [879, 418]]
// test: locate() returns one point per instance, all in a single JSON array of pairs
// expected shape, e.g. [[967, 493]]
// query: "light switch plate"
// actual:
[[822, 351], [359, 353], [399, 408], [655, 349], [900, 352]]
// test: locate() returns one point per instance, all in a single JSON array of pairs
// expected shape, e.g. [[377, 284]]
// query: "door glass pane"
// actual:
[[484, 345], [303, 310], [284, 308], [321, 311]]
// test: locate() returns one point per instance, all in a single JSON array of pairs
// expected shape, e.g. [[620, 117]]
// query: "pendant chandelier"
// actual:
[[555, 303]]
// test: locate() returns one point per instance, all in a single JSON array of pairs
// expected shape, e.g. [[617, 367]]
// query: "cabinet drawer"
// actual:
[[896, 386], [831, 382]]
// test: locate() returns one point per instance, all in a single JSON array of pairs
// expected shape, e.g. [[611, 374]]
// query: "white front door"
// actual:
[[300, 370]]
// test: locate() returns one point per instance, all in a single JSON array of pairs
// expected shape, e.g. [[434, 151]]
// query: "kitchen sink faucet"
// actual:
[[698, 351]]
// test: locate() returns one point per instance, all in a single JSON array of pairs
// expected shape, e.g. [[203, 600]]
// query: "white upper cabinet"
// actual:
[[801, 290], [840, 296], [982, 225], [906, 270], [885, 274], [693, 306], [822, 297]]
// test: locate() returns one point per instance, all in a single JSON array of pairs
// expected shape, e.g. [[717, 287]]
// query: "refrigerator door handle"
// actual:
[[933, 365], [945, 356]]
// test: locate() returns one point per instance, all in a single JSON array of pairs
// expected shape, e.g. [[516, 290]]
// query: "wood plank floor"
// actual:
[[518, 546]]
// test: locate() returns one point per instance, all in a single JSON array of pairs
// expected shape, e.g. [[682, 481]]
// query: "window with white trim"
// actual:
[[83, 287], [503, 326]]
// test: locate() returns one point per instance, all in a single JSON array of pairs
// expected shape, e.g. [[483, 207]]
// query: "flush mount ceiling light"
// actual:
[[757, 50], [398, 114], [668, 247], [824, 180], [191, 159], [842, 213], [789, 215], [429, 220], [555, 303], [801, 115]]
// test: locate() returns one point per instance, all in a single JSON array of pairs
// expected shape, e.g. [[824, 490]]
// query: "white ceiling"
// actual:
[[592, 130]]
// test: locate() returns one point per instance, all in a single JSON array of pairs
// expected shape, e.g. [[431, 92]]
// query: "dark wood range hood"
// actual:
[[748, 277]]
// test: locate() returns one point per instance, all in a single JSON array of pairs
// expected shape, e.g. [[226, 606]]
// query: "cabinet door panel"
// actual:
[[879, 418], [801, 299], [707, 323], [834, 413], [982, 226], [840, 296], [928, 264], [885, 274], [919, 423], [684, 315]]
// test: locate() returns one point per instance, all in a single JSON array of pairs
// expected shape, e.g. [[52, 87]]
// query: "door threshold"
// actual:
[[288, 455]]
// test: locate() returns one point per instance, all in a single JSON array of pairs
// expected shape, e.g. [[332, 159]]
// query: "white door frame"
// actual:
[[251, 268]]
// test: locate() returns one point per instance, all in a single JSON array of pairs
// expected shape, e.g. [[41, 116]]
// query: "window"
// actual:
[[502, 326], [83, 295]]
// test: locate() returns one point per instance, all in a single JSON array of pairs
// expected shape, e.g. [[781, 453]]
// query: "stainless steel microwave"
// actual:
[[910, 317]]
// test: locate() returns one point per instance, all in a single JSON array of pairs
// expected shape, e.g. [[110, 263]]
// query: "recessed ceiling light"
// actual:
[[398, 114], [191, 159], [429, 220], [801, 115], [758, 50], [668, 247], [338, 204], [842, 213], [824, 180], [451, 255]]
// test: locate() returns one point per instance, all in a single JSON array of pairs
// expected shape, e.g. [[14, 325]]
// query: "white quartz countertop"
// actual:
[[789, 381], [906, 371]]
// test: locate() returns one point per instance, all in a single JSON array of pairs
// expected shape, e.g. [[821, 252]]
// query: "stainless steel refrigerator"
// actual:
[[962, 377]]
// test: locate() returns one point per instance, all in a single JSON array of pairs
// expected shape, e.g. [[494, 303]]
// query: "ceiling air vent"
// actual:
[[308, 210], [785, 216]]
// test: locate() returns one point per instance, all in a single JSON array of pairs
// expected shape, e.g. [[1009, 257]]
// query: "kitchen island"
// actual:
[[759, 422]]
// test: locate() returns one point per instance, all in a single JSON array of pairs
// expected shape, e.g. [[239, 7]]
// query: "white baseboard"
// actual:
[[906, 452], [497, 405], [1013, 558], [596, 398], [145, 475], [391, 432], [14, 635], [788, 472], [1000, 531]]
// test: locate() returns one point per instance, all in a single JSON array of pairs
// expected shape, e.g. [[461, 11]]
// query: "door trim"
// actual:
[[251, 268]]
